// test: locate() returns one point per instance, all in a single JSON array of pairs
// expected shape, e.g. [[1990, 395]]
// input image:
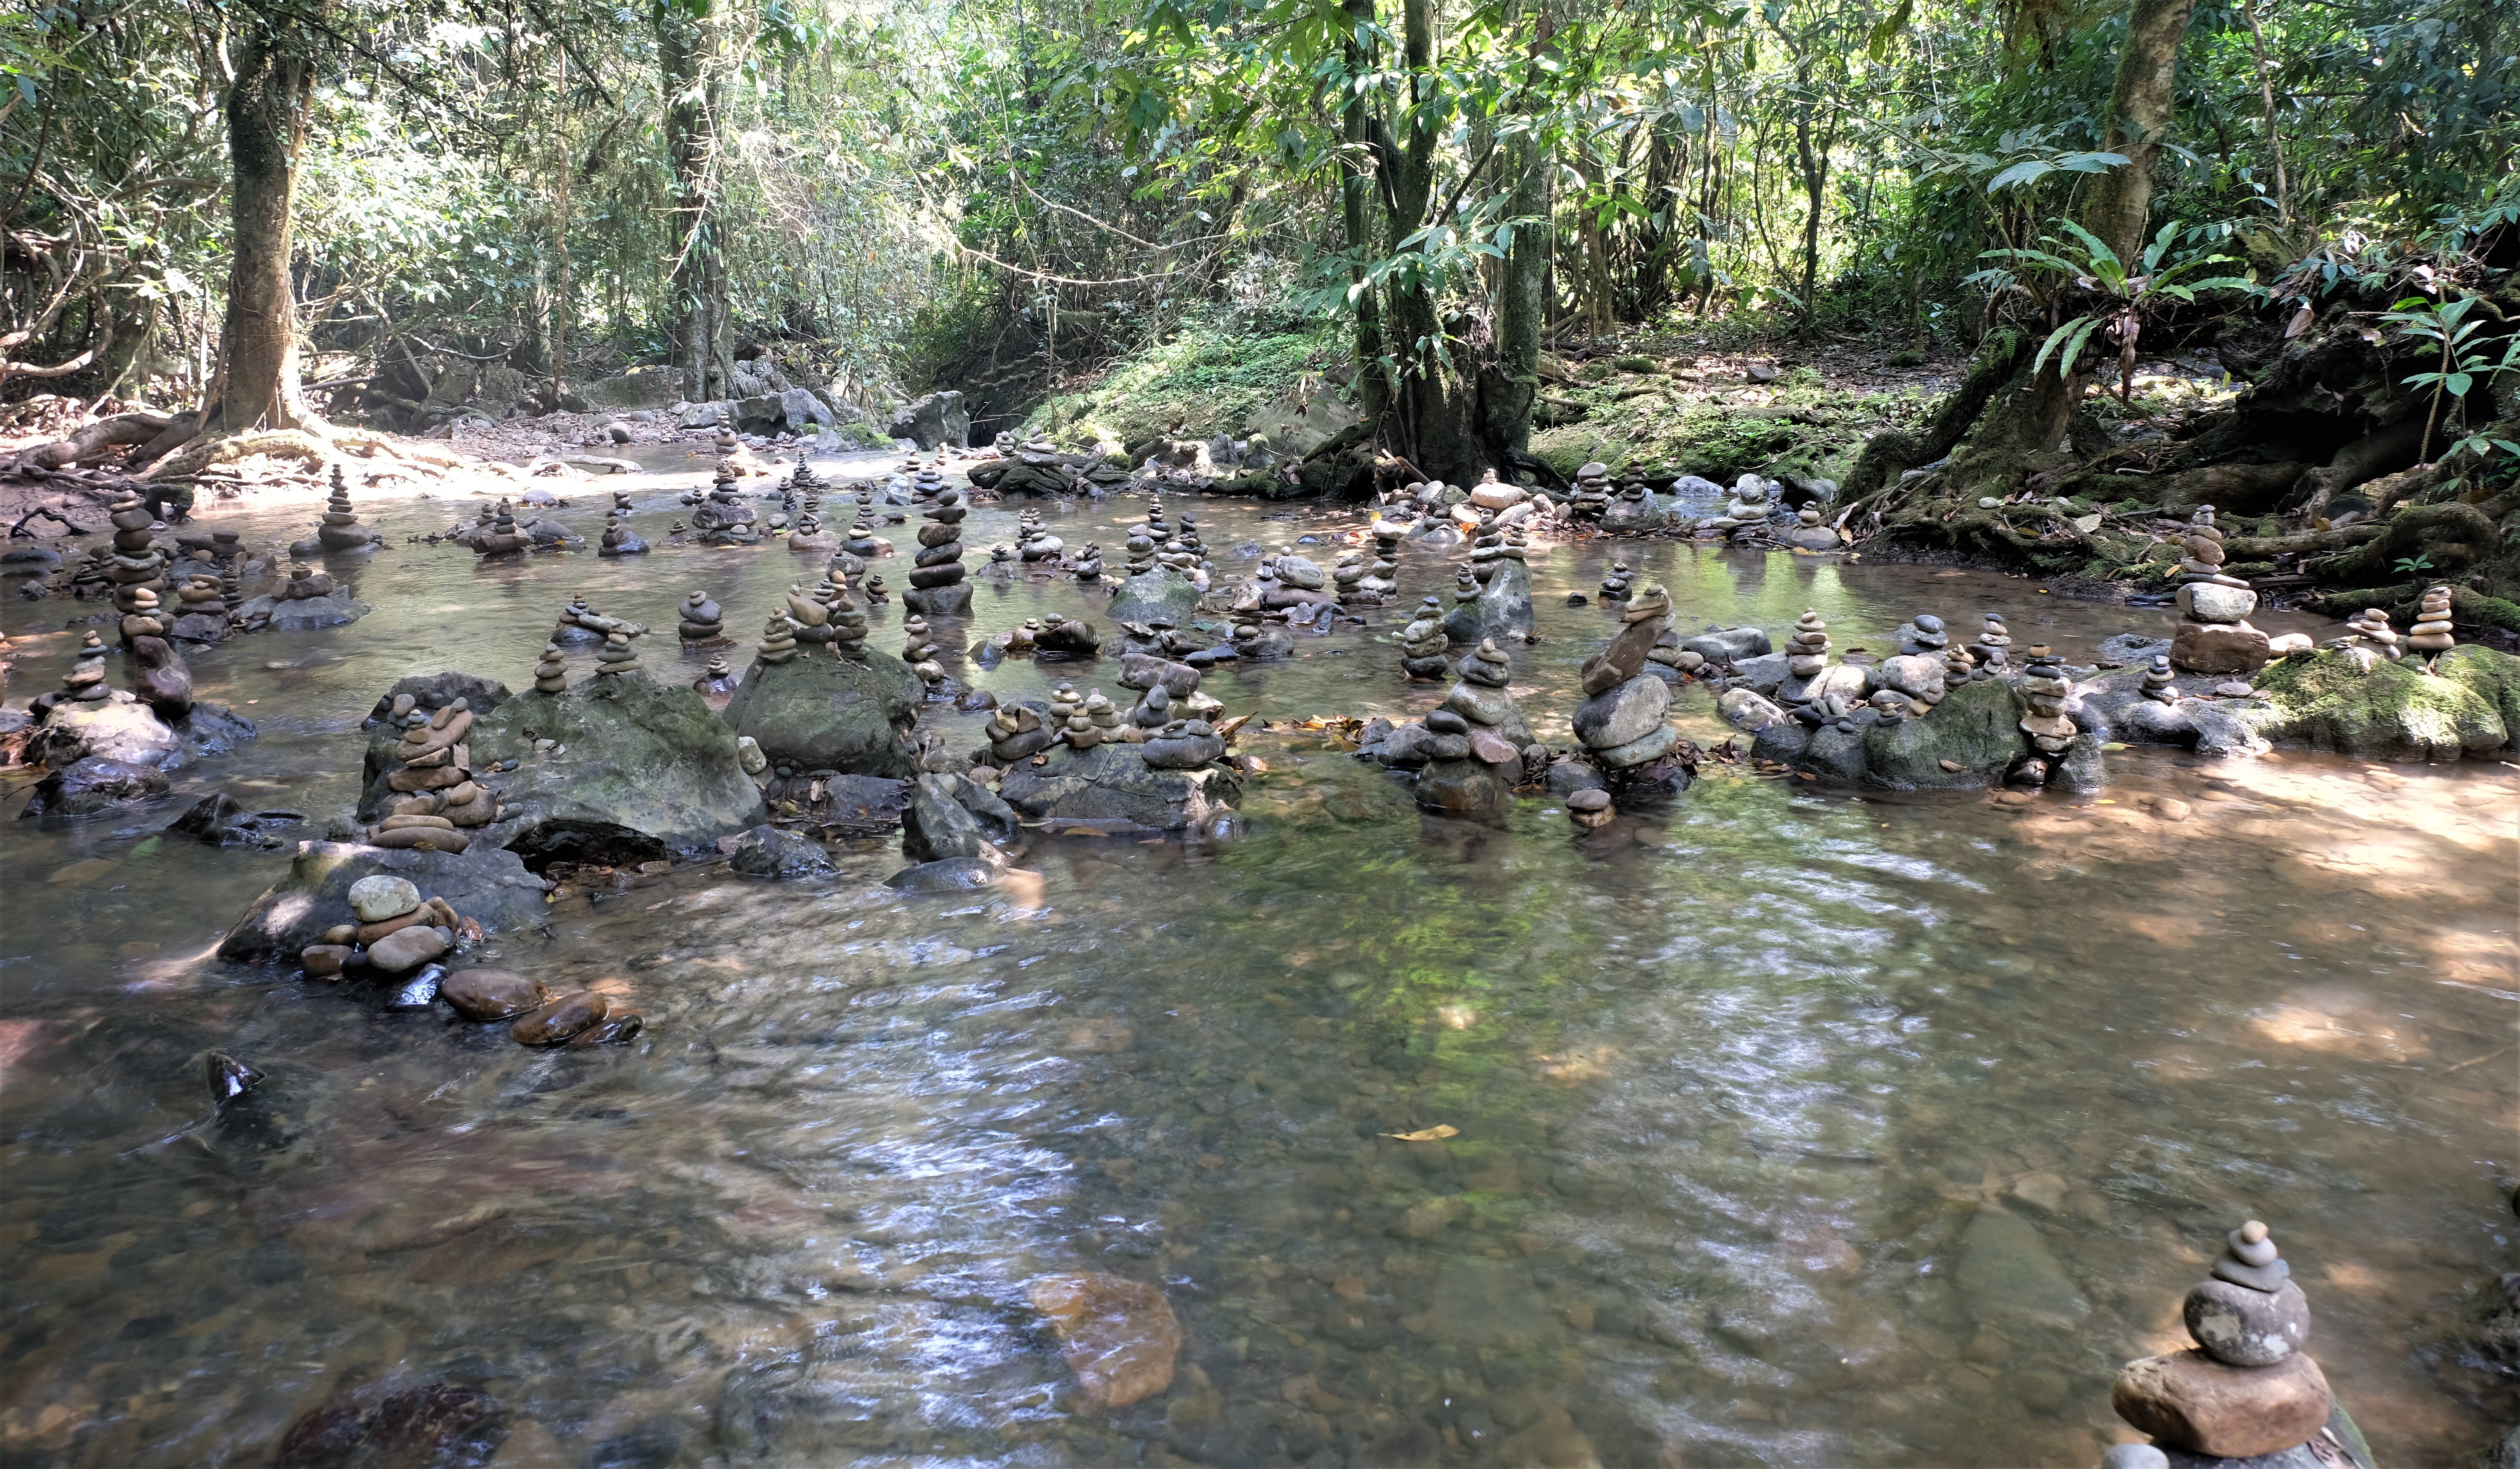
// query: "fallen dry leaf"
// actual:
[[1436, 1134]]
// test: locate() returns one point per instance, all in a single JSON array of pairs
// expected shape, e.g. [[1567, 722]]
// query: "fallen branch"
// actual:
[[93, 441]]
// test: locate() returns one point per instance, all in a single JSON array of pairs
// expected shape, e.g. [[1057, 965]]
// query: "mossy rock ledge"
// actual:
[[644, 770]]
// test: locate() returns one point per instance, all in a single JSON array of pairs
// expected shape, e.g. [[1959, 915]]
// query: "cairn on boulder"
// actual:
[[2371, 627], [1635, 508], [144, 618], [1807, 651], [199, 596], [550, 675], [437, 799], [848, 624], [936, 585], [2214, 634], [1475, 740], [1623, 721], [862, 542], [135, 561], [2245, 1389], [2160, 684], [1807, 533], [1959, 666], [2431, 635], [617, 656], [723, 518], [1615, 587], [501, 537], [1591, 497], [85, 683], [2045, 685], [916, 645], [617, 537], [926, 480], [340, 529], [1994, 646], [1382, 580], [716, 683], [1922, 634], [702, 622], [232, 583], [1017, 732], [1086, 564], [396, 930], [1422, 644], [778, 641], [811, 613], [1746, 513]]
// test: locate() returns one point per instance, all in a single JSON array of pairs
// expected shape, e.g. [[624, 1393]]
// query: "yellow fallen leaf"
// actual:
[[1436, 1134]]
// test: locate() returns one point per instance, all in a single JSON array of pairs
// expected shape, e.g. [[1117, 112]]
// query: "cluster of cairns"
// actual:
[[496, 534], [723, 518], [936, 585], [827, 614], [2245, 1389], [1746, 513], [438, 798], [340, 529]]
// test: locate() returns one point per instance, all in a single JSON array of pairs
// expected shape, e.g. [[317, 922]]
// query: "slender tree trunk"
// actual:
[[1522, 294], [2140, 111], [1355, 187], [687, 56], [257, 382], [1814, 164]]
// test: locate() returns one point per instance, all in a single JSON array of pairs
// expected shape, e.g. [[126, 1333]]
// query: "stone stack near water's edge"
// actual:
[[340, 529], [436, 798], [135, 561], [1474, 742], [2214, 632], [2245, 1389], [1623, 720], [2431, 635], [1423, 644]]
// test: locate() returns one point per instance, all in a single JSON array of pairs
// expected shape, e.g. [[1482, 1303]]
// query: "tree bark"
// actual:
[[256, 380], [1522, 294], [2140, 110], [700, 343], [1356, 184]]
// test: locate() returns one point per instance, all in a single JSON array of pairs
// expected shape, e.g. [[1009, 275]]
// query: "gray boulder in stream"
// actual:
[[816, 712], [951, 816], [489, 886], [1501, 610], [1111, 786], [1162, 596], [644, 770]]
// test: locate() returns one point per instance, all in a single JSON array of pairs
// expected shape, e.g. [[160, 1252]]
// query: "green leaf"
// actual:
[[2027, 171], [2456, 385]]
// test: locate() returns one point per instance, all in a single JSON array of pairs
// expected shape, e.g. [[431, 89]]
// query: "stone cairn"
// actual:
[[145, 619], [2371, 628], [550, 675], [617, 656], [1807, 651], [723, 518], [811, 613], [1347, 574], [397, 931], [1591, 497], [716, 683], [1808, 533], [85, 683], [1473, 757], [702, 622], [1382, 580], [306, 584], [916, 645], [848, 622], [199, 594], [340, 529], [1615, 587], [2245, 1389], [2214, 635], [1017, 732], [232, 583], [778, 641], [926, 481], [618, 540], [936, 585], [501, 537], [136, 561], [1422, 643], [1959, 666], [1994, 646], [1591, 809], [2160, 684], [1086, 564], [1923, 634], [2045, 686], [2431, 635], [437, 799], [874, 593], [1622, 720], [1033, 543]]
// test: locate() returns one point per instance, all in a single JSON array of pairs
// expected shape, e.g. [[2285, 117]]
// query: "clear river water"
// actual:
[[1795, 1127]]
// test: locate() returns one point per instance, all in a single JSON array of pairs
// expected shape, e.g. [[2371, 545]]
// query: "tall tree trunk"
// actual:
[[696, 329], [1356, 186], [1812, 161], [256, 383], [1522, 296], [2140, 110], [1437, 399]]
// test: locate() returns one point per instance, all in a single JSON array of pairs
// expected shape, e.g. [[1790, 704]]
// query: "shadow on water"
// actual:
[[1792, 1127]]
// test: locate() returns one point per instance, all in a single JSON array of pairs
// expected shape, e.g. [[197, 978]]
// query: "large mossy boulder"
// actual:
[[1977, 727], [2395, 710], [1161, 595], [644, 770], [489, 886], [1111, 785], [816, 712]]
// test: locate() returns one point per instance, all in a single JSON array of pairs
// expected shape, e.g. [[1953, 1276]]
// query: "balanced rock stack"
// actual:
[[2431, 635], [199, 596], [716, 683], [848, 622], [136, 563], [306, 584], [1807, 651], [1994, 646], [1635, 508], [778, 641], [1475, 740], [2372, 627], [917, 646], [232, 583], [2245, 1389], [501, 537], [2160, 684], [2214, 634], [618, 540], [550, 675], [926, 481], [1590, 499], [723, 518], [1017, 732], [1036, 544], [85, 683], [398, 930], [617, 656], [1959, 667], [1347, 574], [1615, 587], [1746, 513], [145, 618], [1422, 644], [702, 621], [1622, 721], [436, 798], [809, 538], [1808, 533], [1086, 564], [936, 585], [342, 530], [811, 613], [1382, 580], [2045, 686]]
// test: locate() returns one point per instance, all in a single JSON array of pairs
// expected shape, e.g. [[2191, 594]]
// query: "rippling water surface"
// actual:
[[1794, 1127]]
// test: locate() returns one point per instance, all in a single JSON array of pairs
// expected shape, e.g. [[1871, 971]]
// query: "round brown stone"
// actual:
[[491, 994], [559, 1019]]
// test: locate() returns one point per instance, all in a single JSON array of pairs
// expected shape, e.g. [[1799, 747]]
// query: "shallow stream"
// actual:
[[1794, 1127]]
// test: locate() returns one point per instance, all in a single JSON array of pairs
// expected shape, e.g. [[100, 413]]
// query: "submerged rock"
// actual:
[[767, 851], [1112, 782], [1120, 1336], [2008, 1275], [96, 785]]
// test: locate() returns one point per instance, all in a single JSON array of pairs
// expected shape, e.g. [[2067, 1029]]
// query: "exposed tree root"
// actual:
[[288, 443], [1891, 452], [94, 441], [2453, 537]]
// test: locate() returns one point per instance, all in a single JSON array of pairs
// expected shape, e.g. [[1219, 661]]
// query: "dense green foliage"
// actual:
[[996, 196]]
